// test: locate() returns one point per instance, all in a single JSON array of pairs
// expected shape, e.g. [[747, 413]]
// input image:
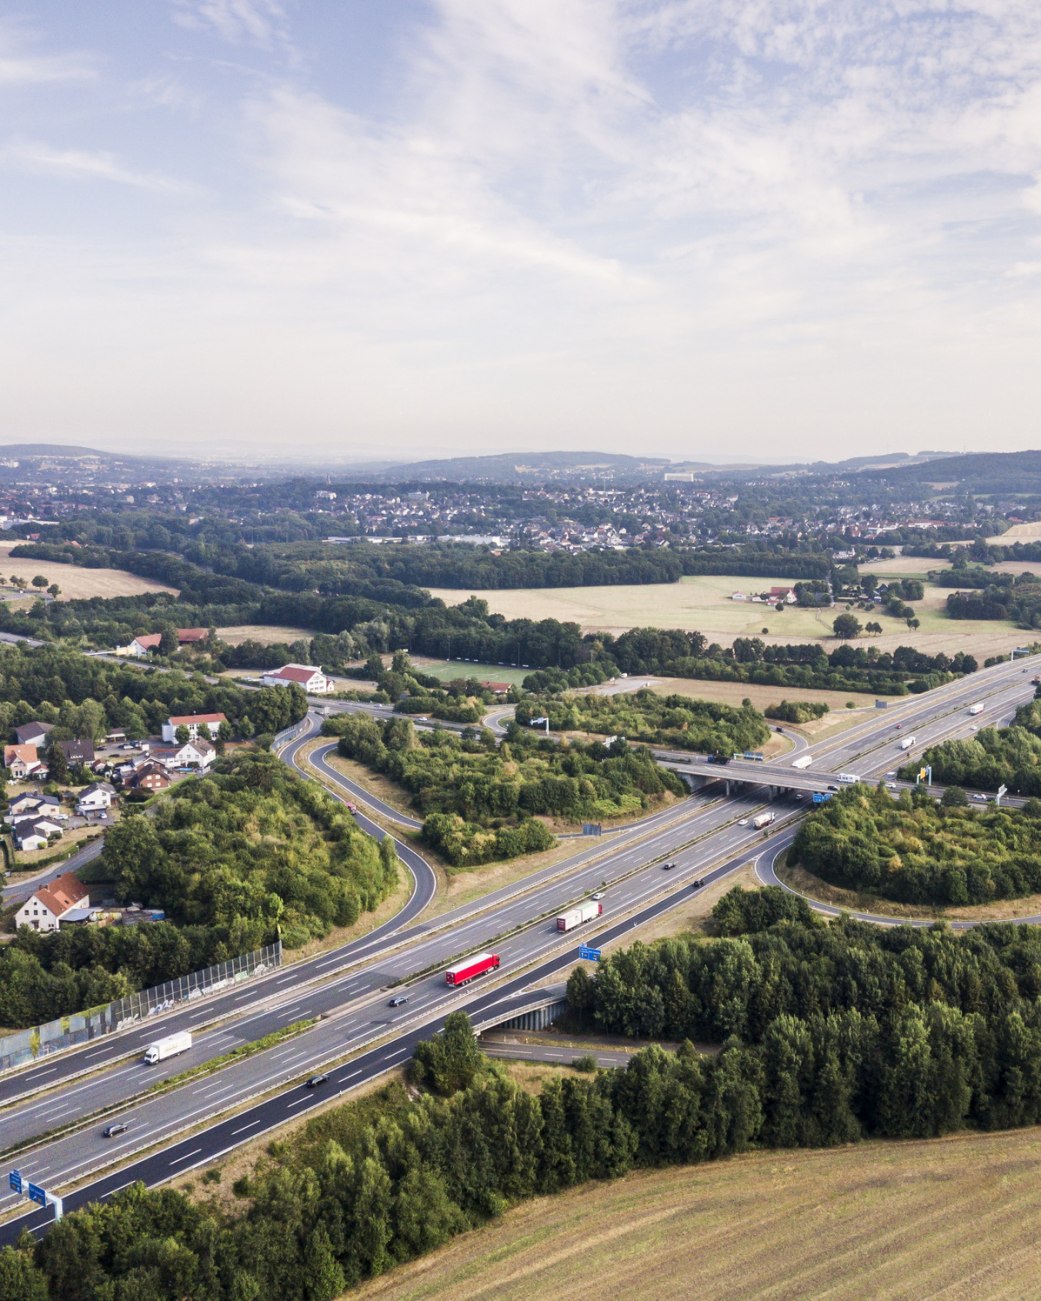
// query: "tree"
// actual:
[[954, 798], [40, 581], [168, 642], [846, 626], [450, 1061], [54, 590], [182, 735], [57, 763]]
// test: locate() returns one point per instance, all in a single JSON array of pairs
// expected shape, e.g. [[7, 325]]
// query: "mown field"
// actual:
[[75, 581], [262, 632], [448, 670], [958, 1217], [704, 603]]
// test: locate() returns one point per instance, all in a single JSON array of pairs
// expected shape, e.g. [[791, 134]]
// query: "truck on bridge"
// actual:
[[803, 761]]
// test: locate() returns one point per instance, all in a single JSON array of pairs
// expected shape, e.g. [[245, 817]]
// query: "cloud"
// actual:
[[20, 66], [81, 164], [262, 23]]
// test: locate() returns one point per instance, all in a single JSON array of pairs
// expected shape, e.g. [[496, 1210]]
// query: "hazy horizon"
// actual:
[[238, 228]]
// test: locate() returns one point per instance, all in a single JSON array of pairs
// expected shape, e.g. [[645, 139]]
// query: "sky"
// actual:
[[358, 229]]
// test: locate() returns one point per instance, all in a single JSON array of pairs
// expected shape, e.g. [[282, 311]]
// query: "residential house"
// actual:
[[312, 679], [79, 752], [45, 907], [194, 723], [32, 733], [21, 761], [34, 832], [95, 798], [150, 776], [193, 754], [33, 805], [149, 641], [784, 594]]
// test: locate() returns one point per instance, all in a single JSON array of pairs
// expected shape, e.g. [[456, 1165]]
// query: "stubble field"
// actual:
[[75, 581], [956, 1217], [704, 604]]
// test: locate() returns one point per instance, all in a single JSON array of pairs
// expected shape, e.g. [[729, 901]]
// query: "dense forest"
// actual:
[[914, 850], [482, 801], [646, 716], [829, 1034], [232, 857]]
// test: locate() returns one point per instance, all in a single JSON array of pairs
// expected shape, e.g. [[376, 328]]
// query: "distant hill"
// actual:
[[982, 472], [62, 463], [526, 467]]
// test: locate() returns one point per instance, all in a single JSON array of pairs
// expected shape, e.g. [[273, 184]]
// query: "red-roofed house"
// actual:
[[149, 641], [45, 908], [312, 679], [785, 594], [21, 761], [193, 722]]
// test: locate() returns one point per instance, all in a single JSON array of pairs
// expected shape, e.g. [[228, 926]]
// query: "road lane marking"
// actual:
[[186, 1156], [243, 1129]]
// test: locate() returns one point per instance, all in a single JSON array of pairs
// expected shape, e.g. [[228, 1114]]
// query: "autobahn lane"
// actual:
[[37, 1113], [288, 1104]]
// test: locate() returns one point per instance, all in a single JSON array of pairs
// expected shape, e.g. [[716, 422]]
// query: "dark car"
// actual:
[[110, 1131], [398, 1000], [667, 867], [696, 885], [315, 1080], [832, 788]]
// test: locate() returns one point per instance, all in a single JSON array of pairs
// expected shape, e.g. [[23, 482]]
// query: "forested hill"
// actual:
[[526, 467], [975, 471]]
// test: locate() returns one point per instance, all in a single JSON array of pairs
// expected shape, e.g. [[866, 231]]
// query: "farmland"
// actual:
[[76, 581], [879, 1219], [267, 633], [704, 603]]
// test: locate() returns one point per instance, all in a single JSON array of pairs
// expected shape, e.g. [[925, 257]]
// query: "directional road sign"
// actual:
[[591, 955], [37, 1194], [15, 1180]]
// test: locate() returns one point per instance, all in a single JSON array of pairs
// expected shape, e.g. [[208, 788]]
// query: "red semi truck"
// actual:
[[472, 967]]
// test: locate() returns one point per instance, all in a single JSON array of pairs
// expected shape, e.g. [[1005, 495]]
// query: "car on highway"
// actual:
[[398, 1000], [980, 799], [743, 822], [696, 885], [599, 894], [890, 786], [891, 773], [110, 1131], [315, 1080], [832, 788], [667, 867]]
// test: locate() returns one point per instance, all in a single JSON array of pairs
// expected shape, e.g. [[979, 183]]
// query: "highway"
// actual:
[[703, 839]]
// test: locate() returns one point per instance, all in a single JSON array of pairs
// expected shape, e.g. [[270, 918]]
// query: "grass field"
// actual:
[[957, 1217], [448, 670], [262, 632], [75, 581], [704, 604], [732, 693]]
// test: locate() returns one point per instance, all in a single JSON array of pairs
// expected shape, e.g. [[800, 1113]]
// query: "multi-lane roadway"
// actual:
[[350, 987]]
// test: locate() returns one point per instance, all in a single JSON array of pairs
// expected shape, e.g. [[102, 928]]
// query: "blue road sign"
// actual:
[[15, 1180], [591, 955], [820, 797], [36, 1194]]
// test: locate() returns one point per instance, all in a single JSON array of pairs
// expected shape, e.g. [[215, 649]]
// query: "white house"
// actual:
[[193, 754], [312, 679], [195, 723], [45, 908], [95, 798]]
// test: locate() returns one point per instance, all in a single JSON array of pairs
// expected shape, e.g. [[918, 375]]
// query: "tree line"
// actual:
[[992, 757]]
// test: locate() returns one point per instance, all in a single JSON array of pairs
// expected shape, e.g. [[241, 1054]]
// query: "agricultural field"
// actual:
[[703, 603], [733, 693], [76, 581], [879, 1219], [262, 632]]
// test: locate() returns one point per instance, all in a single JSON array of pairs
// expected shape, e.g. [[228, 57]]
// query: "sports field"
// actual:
[[704, 604], [76, 581], [957, 1217]]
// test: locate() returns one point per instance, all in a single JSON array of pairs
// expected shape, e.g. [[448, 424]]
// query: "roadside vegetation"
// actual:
[[482, 801], [914, 850], [993, 757], [646, 716]]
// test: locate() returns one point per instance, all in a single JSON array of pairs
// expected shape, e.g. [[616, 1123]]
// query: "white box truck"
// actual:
[[848, 778], [173, 1044], [907, 742], [585, 912], [763, 820], [977, 708], [803, 761]]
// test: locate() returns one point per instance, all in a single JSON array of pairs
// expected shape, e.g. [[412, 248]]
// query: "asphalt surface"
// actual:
[[722, 848]]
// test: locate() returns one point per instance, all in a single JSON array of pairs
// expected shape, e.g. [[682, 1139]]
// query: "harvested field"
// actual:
[[263, 632], [704, 604], [956, 1216], [1019, 533], [75, 581], [732, 693]]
